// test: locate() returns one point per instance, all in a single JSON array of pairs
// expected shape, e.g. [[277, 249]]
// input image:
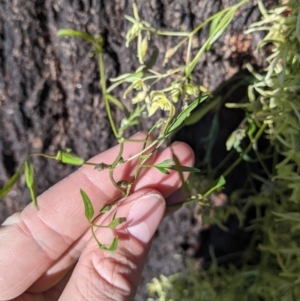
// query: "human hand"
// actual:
[[50, 254]]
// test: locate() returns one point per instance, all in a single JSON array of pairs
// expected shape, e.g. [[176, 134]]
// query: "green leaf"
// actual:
[[219, 27], [88, 207], [116, 222], [132, 119], [212, 28], [113, 247], [162, 169], [197, 115], [152, 60], [67, 158], [11, 182], [105, 208], [184, 114], [184, 168], [120, 78], [116, 102], [29, 173], [77, 34], [165, 163], [178, 166], [219, 184], [30, 183]]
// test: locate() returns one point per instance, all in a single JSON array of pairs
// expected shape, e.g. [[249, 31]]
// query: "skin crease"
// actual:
[[50, 254]]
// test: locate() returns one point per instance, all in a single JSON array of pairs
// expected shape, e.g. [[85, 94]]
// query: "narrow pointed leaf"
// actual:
[[197, 115], [178, 166], [184, 114], [113, 247], [165, 163], [105, 208], [184, 168], [152, 60], [162, 169], [116, 222], [29, 173], [11, 182], [88, 207], [77, 34], [30, 183], [219, 184]]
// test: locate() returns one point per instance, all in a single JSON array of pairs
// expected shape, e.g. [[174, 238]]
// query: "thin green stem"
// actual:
[[111, 177], [120, 153], [170, 33], [42, 155], [95, 237], [104, 92], [90, 163], [141, 152], [140, 162], [134, 140], [114, 165], [189, 49], [146, 166], [191, 66]]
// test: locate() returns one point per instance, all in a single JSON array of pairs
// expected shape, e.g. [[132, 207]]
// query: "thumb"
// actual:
[[102, 275]]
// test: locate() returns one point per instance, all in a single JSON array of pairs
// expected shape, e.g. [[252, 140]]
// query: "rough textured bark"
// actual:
[[49, 87]]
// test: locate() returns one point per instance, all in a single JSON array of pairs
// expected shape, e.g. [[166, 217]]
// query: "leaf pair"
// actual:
[[30, 183], [167, 165], [89, 214], [29, 179], [12, 181]]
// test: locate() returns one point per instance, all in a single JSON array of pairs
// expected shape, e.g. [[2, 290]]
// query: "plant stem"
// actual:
[[170, 33], [114, 165], [111, 177], [103, 86], [191, 66], [143, 151], [43, 155], [120, 153]]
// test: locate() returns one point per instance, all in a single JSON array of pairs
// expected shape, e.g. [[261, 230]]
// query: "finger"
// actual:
[[102, 275], [52, 294]]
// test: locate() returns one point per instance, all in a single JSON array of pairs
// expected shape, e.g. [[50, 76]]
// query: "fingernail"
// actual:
[[145, 216]]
